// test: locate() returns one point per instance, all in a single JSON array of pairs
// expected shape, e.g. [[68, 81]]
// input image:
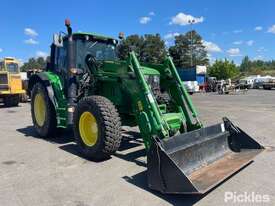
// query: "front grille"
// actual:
[[3, 79]]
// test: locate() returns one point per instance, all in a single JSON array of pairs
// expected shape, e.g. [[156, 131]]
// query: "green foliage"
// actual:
[[246, 64], [132, 42], [223, 69], [149, 48], [256, 66], [34, 63], [153, 50], [189, 50]]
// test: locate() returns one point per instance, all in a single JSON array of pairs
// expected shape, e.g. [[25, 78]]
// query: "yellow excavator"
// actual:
[[10, 82]]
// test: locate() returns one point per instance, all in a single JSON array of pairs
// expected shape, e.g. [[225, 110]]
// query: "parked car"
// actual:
[[246, 83], [259, 81]]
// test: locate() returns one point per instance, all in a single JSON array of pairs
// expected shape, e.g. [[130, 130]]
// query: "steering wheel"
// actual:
[[91, 61]]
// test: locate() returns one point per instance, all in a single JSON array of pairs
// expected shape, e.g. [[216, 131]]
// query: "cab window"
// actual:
[[60, 59], [2, 67], [12, 67]]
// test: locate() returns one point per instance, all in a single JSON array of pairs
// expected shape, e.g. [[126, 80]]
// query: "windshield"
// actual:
[[102, 51], [12, 67]]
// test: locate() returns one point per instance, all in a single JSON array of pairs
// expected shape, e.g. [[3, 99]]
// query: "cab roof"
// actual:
[[95, 35], [8, 59]]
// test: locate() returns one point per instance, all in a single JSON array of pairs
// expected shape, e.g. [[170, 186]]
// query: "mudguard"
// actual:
[[55, 90], [44, 79]]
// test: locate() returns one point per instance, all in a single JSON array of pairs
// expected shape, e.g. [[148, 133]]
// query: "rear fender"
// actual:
[[42, 78], [53, 85]]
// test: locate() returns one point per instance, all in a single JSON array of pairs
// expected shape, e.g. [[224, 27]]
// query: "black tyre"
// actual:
[[97, 127], [43, 112], [164, 98], [24, 98], [12, 100]]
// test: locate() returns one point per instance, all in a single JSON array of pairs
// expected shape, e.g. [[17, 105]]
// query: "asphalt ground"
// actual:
[[34, 171]]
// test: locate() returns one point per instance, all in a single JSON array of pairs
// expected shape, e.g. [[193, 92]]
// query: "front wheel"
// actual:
[[97, 127]]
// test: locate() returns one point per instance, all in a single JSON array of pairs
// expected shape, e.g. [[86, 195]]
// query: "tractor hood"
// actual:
[[111, 66], [149, 71]]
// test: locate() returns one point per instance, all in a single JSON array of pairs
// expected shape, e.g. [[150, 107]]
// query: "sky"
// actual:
[[230, 29]]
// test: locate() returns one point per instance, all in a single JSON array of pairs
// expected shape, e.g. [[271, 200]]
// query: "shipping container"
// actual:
[[187, 74], [200, 79], [201, 69]]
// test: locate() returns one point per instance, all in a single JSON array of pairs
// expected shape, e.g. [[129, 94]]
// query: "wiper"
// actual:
[[93, 45]]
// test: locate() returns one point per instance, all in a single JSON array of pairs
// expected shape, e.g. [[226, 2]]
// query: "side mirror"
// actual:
[[121, 35], [58, 40]]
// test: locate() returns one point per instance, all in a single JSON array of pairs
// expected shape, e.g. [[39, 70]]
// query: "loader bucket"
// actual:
[[197, 161]]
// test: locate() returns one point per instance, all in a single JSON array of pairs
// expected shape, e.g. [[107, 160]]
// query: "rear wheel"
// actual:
[[97, 127], [12, 100], [43, 112], [24, 98]]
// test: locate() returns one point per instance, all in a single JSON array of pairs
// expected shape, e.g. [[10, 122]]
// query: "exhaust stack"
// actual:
[[72, 86]]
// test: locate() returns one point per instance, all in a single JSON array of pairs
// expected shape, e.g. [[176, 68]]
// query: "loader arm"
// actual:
[[194, 160], [148, 114], [151, 121], [185, 100]]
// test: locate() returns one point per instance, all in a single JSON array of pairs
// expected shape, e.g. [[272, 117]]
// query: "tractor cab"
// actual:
[[97, 48], [94, 54]]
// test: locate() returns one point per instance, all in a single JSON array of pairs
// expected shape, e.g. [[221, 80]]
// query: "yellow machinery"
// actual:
[[10, 82]]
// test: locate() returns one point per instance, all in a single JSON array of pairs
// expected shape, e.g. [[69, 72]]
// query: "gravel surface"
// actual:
[[35, 171]]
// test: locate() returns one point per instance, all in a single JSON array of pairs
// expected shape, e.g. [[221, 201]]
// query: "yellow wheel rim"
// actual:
[[39, 109], [88, 128]]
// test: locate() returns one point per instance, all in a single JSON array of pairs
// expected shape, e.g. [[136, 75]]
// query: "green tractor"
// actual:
[[86, 87]]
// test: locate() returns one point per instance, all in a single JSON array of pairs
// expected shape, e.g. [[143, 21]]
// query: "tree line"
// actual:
[[187, 51], [34, 64], [249, 65]]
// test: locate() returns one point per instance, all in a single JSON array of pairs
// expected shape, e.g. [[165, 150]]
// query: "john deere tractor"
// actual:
[[88, 88]]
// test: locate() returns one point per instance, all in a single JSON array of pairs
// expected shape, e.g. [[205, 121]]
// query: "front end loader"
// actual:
[[86, 87]]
